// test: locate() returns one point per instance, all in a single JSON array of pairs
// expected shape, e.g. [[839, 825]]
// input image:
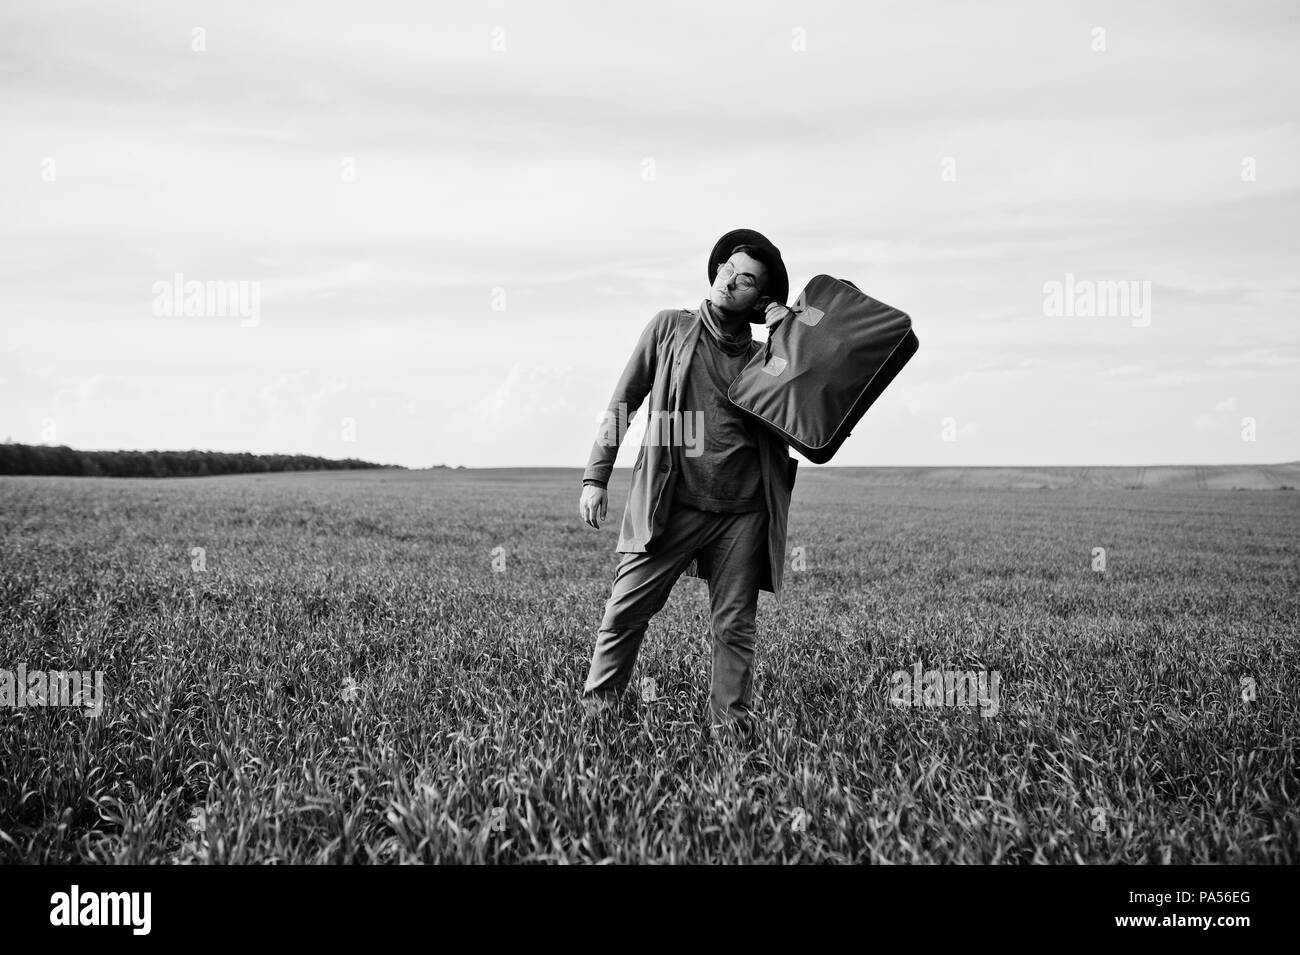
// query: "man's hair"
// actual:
[[758, 254]]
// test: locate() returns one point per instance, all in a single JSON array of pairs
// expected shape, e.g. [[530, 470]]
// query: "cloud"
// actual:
[[529, 395], [1256, 357]]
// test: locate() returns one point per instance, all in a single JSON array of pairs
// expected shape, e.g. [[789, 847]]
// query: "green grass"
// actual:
[[227, 710]]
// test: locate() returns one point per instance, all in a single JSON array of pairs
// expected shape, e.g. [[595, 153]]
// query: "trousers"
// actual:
[[736, 549]]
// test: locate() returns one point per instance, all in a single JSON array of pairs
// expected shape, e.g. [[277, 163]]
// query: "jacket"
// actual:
[[655, 370]]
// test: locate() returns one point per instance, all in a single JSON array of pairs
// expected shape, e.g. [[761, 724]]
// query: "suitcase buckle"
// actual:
[[806, 313]]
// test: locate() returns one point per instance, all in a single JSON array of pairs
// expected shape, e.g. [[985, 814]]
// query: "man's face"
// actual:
[[738, 288]]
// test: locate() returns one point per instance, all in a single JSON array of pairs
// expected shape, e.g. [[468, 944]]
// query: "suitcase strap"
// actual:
[[800, 306]]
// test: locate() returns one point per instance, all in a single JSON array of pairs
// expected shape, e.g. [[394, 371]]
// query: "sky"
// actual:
[[452, 222]]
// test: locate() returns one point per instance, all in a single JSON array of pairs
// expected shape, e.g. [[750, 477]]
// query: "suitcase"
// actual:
[[824, 366]]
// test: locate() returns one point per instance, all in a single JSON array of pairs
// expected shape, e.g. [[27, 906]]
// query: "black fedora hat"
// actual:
[[778, 282]]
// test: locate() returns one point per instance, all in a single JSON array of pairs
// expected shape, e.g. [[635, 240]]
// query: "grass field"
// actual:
[[348, 679]]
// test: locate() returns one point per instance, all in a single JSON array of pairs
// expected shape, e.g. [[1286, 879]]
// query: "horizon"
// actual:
[[803, 464]]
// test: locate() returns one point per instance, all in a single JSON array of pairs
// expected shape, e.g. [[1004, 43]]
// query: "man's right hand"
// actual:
[[594, 505]]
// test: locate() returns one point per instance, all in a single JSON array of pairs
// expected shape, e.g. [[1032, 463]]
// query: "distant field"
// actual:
[[348, 679], [1209, 477]]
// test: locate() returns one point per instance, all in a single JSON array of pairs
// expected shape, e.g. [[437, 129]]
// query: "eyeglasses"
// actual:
[[744, 280]]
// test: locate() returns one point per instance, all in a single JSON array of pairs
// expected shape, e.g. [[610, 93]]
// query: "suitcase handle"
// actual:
[[794, 312]]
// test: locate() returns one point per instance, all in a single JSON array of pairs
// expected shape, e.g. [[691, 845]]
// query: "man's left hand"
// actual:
[[775, 313]]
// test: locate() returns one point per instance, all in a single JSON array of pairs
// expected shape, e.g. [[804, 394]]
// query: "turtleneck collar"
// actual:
[[730, 344]]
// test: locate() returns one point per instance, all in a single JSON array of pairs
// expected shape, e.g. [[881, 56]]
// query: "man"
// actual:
[[716, 509]]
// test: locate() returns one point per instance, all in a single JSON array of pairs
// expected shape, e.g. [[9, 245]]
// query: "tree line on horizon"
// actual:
[[42, 459]]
